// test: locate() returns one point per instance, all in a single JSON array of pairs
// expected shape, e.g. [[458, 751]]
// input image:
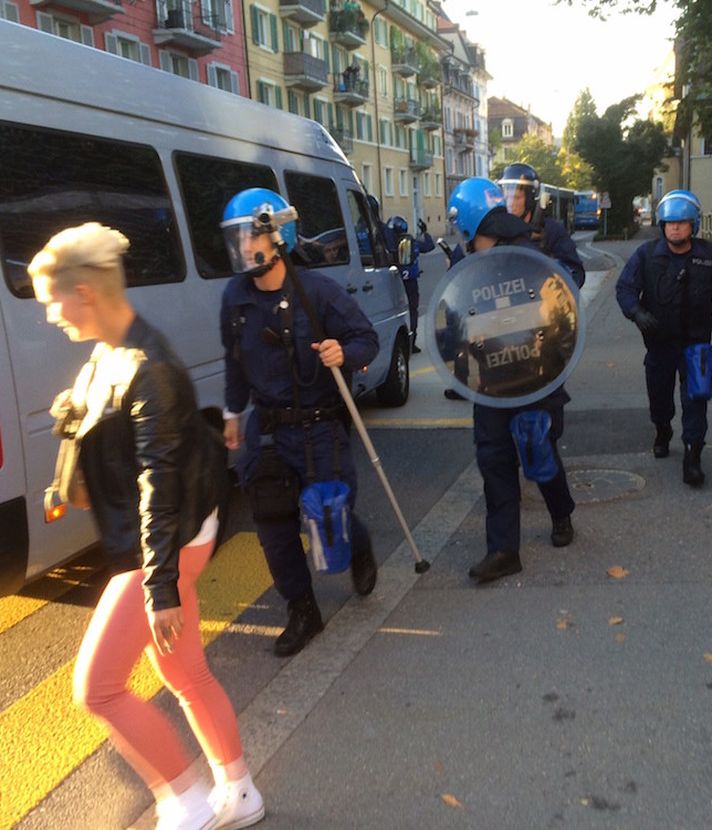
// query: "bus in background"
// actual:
[[560, 205], [587, 210]]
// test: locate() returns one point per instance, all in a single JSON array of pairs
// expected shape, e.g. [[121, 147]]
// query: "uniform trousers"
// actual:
[[498, 462], [663, 362]]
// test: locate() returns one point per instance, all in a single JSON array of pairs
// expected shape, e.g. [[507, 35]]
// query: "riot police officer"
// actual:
[[665, 288], [296, 432], [410, 270], [477, 212], [522, 189]]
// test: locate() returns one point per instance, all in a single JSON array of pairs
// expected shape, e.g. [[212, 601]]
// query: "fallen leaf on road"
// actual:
[[617, 572], [451, 801], [620, 638], [708, 657], [611, 365], [615, 620], [562, 624]]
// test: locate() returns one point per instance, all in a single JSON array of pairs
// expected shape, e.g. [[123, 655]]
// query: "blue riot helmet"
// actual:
[[468, 205], [398, 225], [679, 206], [519, 180], [249, 220]]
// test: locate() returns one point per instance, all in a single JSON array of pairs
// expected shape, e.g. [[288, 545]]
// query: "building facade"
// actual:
[[509, 123]]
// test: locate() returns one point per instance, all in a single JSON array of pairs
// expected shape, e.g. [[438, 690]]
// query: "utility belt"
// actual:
[[270, 418]]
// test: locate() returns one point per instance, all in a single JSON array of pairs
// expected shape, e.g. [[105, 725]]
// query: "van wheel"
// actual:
[[394, 390]]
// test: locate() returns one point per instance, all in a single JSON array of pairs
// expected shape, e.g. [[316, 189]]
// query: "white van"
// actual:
[[85, 135]]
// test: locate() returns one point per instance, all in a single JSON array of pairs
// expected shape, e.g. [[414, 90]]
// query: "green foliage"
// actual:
[[694, 69], [623, 154], [584, 107]]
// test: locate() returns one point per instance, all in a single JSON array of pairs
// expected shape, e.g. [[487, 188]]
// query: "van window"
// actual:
[[207, 185], [322, 237], [371, 245], [53, 180]]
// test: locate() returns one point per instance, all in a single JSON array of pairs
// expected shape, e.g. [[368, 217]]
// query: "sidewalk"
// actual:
[[562, 698]]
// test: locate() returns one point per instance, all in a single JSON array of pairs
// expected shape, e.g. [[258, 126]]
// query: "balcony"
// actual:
[[406, 110], [404, 61], [464, 139], [349, 89], [305, 72], [306, 13], [176, 27], [429, 78], [431, 119], [420, 159], [98, 10], [343, 138], [348, 28]]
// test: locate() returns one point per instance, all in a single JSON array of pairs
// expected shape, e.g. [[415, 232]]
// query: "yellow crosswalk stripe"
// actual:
[[43, 736]]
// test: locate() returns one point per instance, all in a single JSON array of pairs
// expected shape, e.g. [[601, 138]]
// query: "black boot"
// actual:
[[495, 566], [691, 470], [661, 445], [562, 532], [364, 570], [304, 622]]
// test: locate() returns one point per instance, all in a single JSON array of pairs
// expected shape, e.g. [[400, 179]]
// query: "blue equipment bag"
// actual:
[[699, 371], [327, 518], [531, 434]]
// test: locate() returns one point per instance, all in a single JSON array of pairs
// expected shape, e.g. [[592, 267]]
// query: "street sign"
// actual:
[[605, 201]]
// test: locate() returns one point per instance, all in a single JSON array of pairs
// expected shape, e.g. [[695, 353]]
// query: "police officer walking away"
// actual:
[[410, 271], [522, 188], [295, 434], [665, 288], [478, 214]]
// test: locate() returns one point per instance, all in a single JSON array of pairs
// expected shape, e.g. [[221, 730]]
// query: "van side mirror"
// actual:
[[405, 251]]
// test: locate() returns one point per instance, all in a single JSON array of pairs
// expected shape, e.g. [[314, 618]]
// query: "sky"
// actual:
[[541, 55]]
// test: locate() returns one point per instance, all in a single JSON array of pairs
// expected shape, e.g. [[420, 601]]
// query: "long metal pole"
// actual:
[[421, 565]]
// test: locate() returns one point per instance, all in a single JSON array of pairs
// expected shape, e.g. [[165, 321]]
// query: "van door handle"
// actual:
[[367, 286], [351, 288]]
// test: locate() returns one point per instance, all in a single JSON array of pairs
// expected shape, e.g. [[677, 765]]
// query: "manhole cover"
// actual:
[[603, 485]]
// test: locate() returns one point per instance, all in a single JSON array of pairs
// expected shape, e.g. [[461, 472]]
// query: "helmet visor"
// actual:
[[517, 195], [249, 248]]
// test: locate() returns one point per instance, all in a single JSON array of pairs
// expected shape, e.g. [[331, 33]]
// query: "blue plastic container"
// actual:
[[327, 519], [536, 453]]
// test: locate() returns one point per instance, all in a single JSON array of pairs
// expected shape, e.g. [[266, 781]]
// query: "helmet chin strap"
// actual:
[[261, 270]]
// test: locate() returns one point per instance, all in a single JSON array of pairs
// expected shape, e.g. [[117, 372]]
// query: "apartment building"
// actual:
[[464, 107], [201, 40], [511, 122], [369, 73]]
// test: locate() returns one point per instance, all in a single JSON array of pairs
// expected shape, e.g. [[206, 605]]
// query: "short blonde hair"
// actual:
[[86, 253]]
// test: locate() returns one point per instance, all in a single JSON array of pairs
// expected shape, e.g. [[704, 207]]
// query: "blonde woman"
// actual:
[[153, 471]]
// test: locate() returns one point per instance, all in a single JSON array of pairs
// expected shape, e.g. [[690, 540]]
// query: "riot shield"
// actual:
[[505, 326]]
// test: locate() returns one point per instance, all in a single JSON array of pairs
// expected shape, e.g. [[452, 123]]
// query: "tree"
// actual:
[[543, 158], [694, 55], [577, 173], [623, 155]]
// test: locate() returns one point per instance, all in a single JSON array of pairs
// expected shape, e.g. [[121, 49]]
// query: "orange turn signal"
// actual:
[[54, 513]]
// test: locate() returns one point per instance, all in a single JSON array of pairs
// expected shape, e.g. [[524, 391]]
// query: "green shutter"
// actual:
[[273, 27], [330, 111], [255, 25], [278, 96], [369, 128], [307, 109]]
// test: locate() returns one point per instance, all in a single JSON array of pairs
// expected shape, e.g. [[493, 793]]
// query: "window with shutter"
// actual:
[[164, 60], [273, 30], [10, 12], [278, 97], [87, 35], [145, 53], [193, 69], [110, 43], [45, 23]]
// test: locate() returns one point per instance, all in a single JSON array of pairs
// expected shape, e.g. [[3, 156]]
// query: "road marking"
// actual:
[[419, 423], [44, 737]]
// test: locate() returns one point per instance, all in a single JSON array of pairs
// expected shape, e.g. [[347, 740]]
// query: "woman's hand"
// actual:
[[330, 352], [166, 627], [231, 433]]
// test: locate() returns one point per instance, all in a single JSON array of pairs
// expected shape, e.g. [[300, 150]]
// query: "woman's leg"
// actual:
[[117, 634]]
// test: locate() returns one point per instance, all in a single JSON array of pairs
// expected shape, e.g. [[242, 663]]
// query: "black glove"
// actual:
[[645, 321], [422, 227]]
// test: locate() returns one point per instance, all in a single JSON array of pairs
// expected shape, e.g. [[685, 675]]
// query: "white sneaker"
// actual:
[[237, 804], [190, 810]]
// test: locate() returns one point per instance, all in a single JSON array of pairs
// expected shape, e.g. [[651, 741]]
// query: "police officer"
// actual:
[[477, 211], [521, 187], [386, 232], [410, 270], [665, 288], [295, 433]]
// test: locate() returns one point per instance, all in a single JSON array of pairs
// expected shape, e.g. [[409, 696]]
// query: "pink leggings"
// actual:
[[117, 634]]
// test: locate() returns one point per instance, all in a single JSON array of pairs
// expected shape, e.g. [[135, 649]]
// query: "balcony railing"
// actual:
[[464, 138], [348, 27], [343, 138], [431, 119], [406, 110], [305, 12], [176, 26], [349, 89], [404, 61], [305, 72], [420, 159]]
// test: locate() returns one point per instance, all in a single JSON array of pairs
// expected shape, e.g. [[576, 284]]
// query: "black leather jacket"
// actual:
[[153, 467]]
